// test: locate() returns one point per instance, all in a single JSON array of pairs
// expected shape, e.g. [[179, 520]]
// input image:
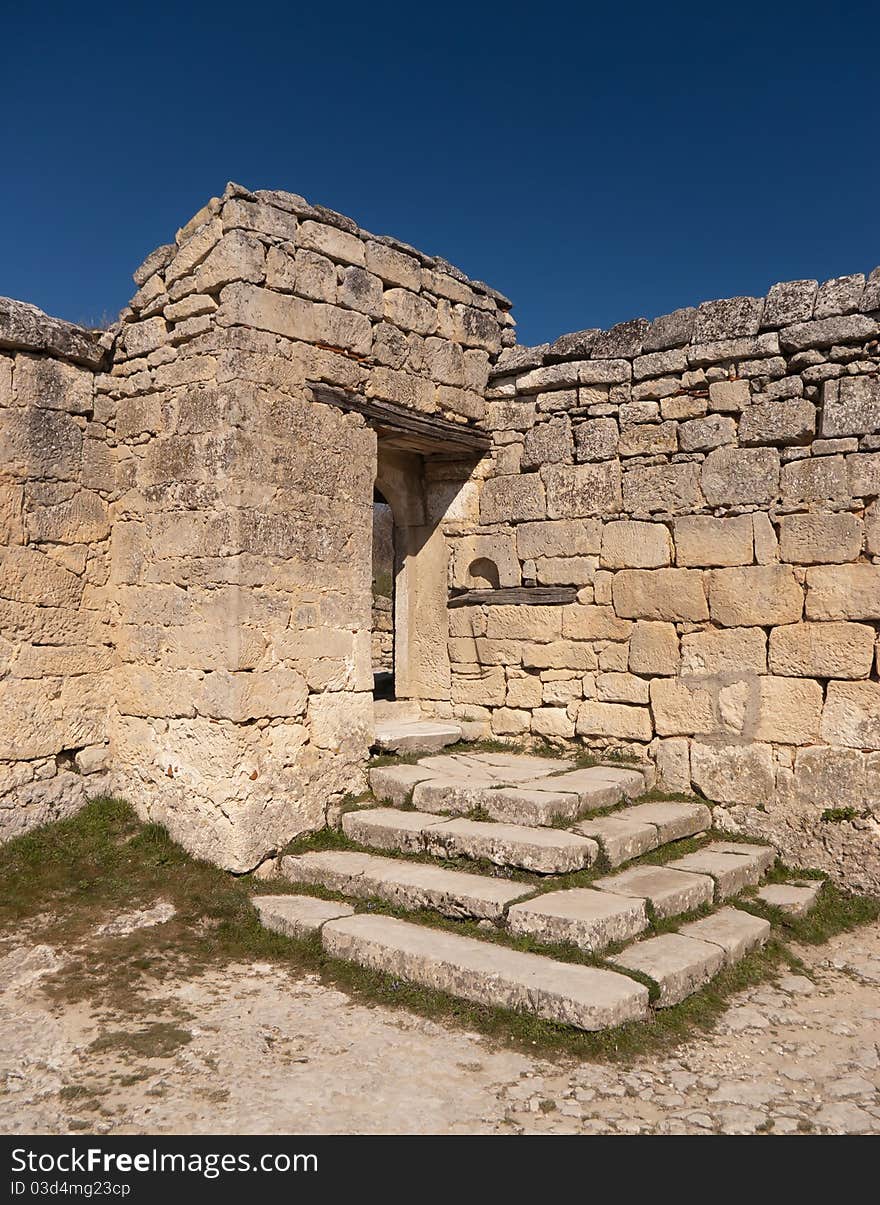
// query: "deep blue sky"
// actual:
[[596, 162]]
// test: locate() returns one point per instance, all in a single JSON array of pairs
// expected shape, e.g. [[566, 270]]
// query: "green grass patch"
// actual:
[[838, 815]]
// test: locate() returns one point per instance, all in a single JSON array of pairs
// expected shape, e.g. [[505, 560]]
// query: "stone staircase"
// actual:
[[400, 727], [543, 850]]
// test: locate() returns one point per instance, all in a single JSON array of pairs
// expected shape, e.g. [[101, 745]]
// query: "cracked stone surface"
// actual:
[[799, 1054]]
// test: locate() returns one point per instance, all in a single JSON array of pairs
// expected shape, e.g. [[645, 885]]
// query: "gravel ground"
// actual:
[[271, 1054]]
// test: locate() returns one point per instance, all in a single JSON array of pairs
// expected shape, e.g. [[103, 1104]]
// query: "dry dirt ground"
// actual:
[[249, 1049]]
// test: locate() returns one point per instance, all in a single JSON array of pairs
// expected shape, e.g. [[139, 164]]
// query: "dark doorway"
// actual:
[[383, 598]]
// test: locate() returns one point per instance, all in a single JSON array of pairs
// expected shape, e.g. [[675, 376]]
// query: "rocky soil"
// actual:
[[249, 1049]]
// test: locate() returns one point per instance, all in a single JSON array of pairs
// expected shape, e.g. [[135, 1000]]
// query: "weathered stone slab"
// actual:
[[678, 965], [298, 915], [669, 892], [735, 931], [794, 898], [487, 973], [763, 855], [672, 820], [731, 871], [543, 850], [410, 885], [415, 736], [389, 828], [597, 786], [619, 838], [396, 783], [591, 920]]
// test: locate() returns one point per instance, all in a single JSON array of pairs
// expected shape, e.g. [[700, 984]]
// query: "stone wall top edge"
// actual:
[[25, 327], [786, 304], [305, 210]]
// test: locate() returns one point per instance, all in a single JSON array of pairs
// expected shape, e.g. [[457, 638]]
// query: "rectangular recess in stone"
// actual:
[[543, 850], [487, 973], [591, 920], [735, 931], [409, 885], [672, 820], [669, 892], [678, 965]]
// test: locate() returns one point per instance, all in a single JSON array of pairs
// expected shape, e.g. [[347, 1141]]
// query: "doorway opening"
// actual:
[[384, 573]]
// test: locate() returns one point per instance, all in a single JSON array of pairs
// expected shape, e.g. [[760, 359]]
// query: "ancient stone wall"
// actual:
[[56, 484], [708, 486], [241, 566]]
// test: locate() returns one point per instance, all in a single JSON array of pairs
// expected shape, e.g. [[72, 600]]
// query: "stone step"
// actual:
[[409, 885], [735, 931], [543, 850], [678, 965], [415, 736], [522, 805], [637, 830], [796, 898], [486, 973], [591, 920], [669, 892], [732, 866], [298, 915]]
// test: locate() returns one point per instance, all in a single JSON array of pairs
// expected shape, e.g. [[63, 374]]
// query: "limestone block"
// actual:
[[621, 688], [315, 276], [298, 916], [672, 758], [36, 443], [559, 538], [872, 529], [592, 623], [483, 685], [760, 595], [591, 920], [733, 476], [614, 720], [31, 577], [360, 290], [252, 695], [851, 406], [475, 970], [632, 545], [676, 595], [828, 776], [653, 648], [469, 551], [735, 931], [507, 721], [732, 317], [843, 592], [816, 479], [552, 721], [581, 490], [852, 715], [53, 385], [670, 330], [82, 519], [701, 540], [790, 301], [670, 892], [392, 266], [682, 707], [332, 242], [822, 538], [142, 690], [525, 623], [778, 422], [789, 710], [341, 722], [238, 256], [596, 439], [545, 851], [705, 434], [566, 570], [724, 650], [733, 773], [729, 396], [679, 965], [548, 443], [864, 474], [403, 388], [409, 311], [513, 414], [11, 513], [664, 487], [524, 692], [512, 499], [822, 650], [280, 314], [559, 654], [648, 439], [827, 332]]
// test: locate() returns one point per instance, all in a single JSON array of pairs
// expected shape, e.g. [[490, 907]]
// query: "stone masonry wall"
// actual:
[[241, 566], [709, 484], [56, 486]]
